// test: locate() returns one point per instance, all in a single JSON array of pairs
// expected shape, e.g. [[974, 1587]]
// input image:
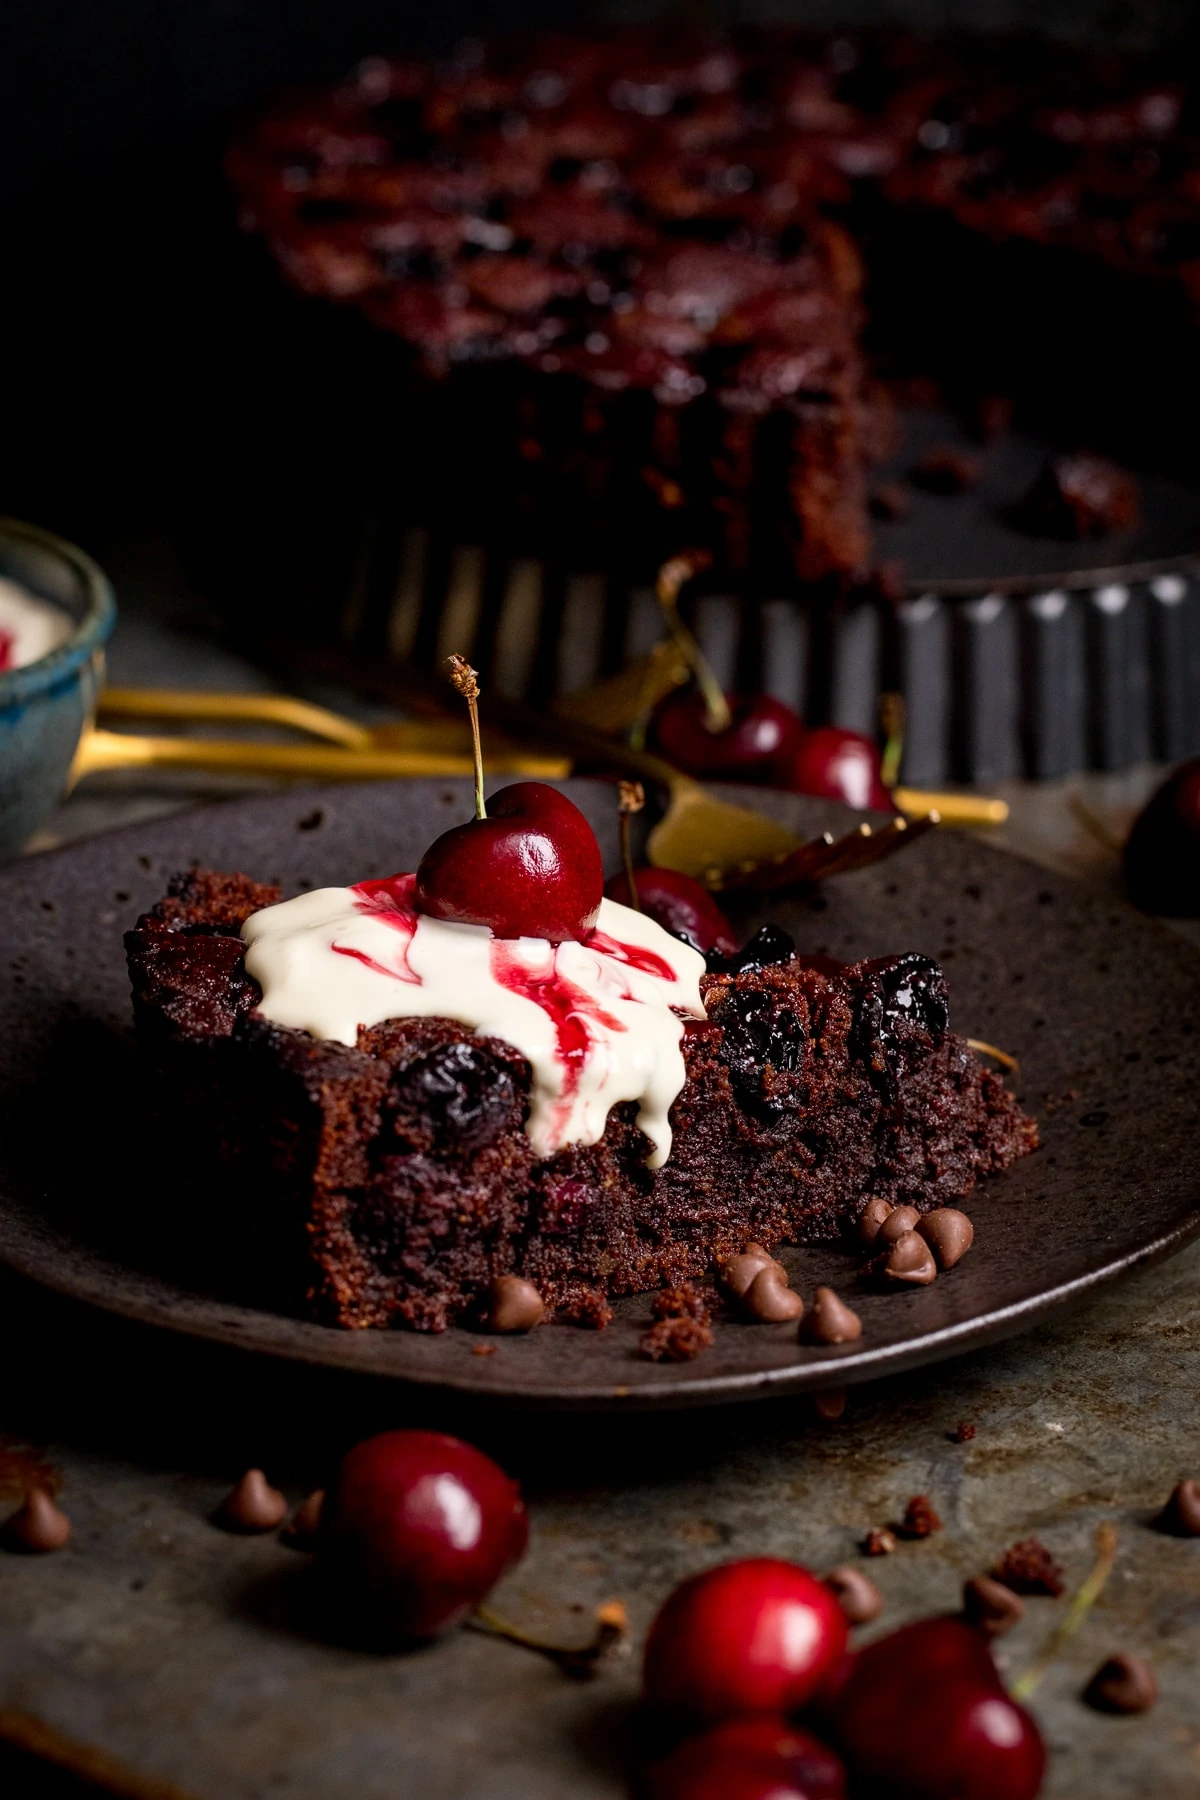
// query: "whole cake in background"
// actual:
[[616, 283]]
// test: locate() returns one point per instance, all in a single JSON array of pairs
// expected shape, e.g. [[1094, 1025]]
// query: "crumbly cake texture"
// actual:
[[387, 1184], [621, 267]]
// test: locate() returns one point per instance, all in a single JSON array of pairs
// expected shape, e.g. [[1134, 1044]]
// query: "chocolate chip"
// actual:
[[1181, 1515], [1123, 1684], [898, 1221], [879, 1541], [37, 1526], [855, 1593], [739, 1271], [769, 1299], [991, 1606], [253, 1505], [949, 1234], [829, 1320], [302, 1528], [829, 1404], [920, 1518], [908, 1261], [871, 1218], [513, 1304]]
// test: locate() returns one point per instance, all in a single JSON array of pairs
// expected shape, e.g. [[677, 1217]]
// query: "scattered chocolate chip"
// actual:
[[1181, 1515], [675, 1340], [302, 1528], [769, 1299], [1029, 1568], [949, 1234], [513, 1304], [964, 1431], [829, 1404], [945, 470], [871, 1219], [898, 1221], [253, 1505], [739, 1271], [879, 1541], [855, 1593], [38, 1525], [682, 1302], [909, 1261], [829, 1320], [991, 1606], [1123, 1684], [891, 500], [920, 1518]]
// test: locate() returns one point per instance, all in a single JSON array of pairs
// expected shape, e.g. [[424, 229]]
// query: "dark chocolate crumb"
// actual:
[[964, 1431], [682, 1302], [1029, 1568], [879, 1541], [920, 1518], [675, 1340]]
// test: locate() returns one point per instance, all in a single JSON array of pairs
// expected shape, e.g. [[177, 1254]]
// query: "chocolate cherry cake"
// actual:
[[397, 1104], [615, 283]]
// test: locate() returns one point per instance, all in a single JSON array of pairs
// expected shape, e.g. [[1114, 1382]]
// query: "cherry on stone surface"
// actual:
[[747, 1759], [531, 868], [1162, 856], [834, 764], [748, 1637], [922, 1715], [760, 738], [416, 1528], [679, 904]]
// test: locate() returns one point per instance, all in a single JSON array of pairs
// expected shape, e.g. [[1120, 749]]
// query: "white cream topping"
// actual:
[[598, 1023], [29, 628]]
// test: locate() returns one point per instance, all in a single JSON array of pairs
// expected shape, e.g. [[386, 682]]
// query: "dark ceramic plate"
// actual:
[[1102, 1008]]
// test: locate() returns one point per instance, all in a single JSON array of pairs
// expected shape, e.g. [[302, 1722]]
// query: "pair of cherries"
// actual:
[[766, 742]]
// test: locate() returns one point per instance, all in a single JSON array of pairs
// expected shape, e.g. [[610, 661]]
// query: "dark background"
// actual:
[[120, 278]]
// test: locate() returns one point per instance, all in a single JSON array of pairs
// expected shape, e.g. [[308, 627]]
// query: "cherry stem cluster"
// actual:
[[465, 681], [673, 576]]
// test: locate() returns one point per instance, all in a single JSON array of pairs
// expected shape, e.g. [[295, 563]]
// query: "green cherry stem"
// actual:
[[1076, 1613], [674, 575]]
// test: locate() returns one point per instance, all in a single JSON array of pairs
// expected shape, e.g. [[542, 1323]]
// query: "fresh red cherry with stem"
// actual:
[[1162, 856], [679, 904], [738, 737], [529, 867], [748, 1637], [922, 1715], [416, 1528], [835, 764], [747, 1759]]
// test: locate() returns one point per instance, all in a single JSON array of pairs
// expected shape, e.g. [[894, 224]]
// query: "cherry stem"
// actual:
[[612, 1628], [465, 681], [1001, 1056], [893, 716], [1076, 1613], [1092, 824], [631, 797], [674, 575]]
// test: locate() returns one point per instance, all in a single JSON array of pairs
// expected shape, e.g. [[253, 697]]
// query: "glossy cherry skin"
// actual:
[[678, 904], [748, 1637], [762, 736], [532, 868], [1162, 855], [416, 1528], [747, 1759], [837, 765], [922, 1715]]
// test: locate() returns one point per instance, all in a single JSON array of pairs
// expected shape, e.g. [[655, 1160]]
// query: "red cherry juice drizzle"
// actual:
[[390, 901], [8, 646], [570, 1010], [645, 961]]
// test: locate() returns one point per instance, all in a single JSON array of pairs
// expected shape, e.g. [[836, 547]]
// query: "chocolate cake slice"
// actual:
[[386, 1182]]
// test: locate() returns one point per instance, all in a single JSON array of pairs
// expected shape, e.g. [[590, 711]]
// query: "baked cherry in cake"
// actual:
[[530, 868], [416, 1528]]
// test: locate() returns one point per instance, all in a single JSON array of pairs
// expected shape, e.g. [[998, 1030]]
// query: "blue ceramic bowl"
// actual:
[[45, 706]]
